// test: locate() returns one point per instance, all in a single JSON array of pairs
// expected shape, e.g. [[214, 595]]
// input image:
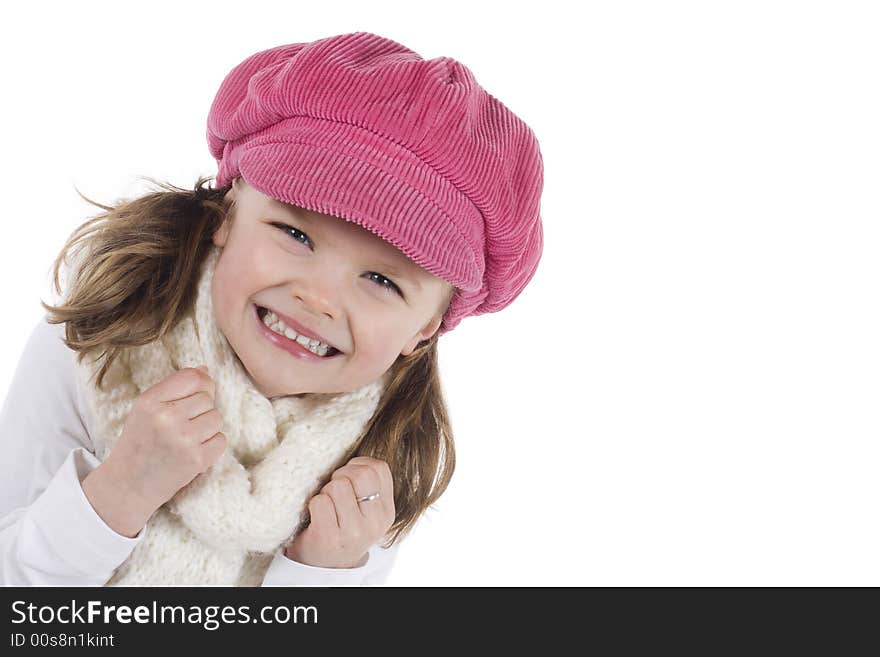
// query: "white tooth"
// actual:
[[315, 346]]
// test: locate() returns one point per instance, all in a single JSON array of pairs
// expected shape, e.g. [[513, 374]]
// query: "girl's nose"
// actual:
[[319, 297]]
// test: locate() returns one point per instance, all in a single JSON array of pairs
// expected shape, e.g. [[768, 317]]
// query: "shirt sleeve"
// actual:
[[50, 535], [286, 572]]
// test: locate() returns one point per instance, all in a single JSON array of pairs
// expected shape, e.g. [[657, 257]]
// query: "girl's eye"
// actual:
[[391, 287], [385, 283], [285, 228]]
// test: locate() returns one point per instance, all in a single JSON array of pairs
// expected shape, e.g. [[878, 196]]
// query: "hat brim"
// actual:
[[368, 180]]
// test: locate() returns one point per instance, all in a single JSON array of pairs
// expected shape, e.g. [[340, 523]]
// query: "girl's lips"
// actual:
[[292, 347], [302, 330]]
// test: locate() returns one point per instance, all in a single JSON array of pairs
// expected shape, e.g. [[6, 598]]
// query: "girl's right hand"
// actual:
[[171, 435]]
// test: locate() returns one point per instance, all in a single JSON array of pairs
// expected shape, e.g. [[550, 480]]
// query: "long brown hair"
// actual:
[[133, 278]]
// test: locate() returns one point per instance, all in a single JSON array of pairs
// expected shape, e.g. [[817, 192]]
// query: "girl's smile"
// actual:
[[291, 346]]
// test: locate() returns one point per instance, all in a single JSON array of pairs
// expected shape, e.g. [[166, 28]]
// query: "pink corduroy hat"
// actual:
[[362, 128]]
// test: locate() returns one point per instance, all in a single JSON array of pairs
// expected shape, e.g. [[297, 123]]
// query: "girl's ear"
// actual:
[[231, 193], [222, 233], [429, 329]]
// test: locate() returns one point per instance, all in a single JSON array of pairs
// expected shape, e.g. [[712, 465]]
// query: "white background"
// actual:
[[687, 391]]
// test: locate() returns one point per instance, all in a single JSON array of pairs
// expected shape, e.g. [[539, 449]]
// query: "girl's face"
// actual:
[[334, 279]]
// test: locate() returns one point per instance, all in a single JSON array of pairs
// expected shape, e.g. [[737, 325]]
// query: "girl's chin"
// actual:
[[272, 393]]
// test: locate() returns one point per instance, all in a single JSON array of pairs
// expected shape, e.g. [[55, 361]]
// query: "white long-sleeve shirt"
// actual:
[[50, 535]]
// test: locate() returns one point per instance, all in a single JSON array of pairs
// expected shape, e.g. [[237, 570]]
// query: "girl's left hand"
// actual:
[[342, 530]]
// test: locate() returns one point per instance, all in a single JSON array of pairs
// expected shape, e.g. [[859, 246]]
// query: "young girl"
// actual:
[[241, 386]]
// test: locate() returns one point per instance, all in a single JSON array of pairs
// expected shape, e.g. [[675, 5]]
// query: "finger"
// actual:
[[214, 447], [367, 482], [379, 466], [205, 426], [322, 512], [194, 405], [364, 479], [182, 383], [348, 510], [386, 483]]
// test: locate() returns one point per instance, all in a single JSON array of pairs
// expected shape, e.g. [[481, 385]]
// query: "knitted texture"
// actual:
[[416, 151], [226, 525]]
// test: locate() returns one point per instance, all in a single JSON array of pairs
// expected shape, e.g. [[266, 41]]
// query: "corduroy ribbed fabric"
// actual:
[[416, 151]]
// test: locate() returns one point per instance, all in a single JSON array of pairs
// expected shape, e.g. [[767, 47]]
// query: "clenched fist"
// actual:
[[342, 530], [172, 434]]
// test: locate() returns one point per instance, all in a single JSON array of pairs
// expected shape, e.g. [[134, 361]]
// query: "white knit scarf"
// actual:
[[225, 526]]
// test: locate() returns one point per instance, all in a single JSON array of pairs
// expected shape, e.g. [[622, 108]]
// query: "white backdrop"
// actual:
[[686, 392]]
